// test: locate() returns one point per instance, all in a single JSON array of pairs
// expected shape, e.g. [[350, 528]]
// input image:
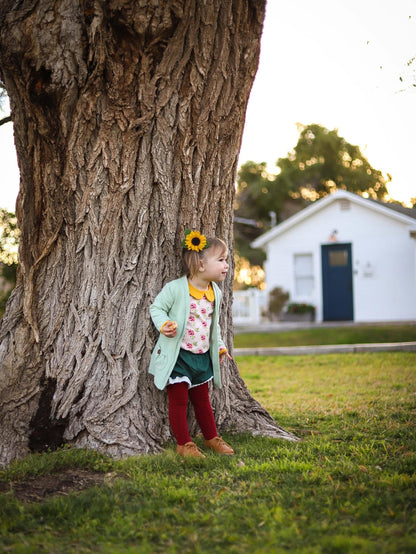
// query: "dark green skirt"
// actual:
[[196, 368]]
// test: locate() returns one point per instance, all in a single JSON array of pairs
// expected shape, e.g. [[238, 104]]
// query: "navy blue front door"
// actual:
[[337, 282]]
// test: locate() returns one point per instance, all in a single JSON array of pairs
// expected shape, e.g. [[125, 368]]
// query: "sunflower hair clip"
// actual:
[[194, 240]]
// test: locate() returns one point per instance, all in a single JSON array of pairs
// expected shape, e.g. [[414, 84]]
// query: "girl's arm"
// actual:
[[160, 310], [223, 349]]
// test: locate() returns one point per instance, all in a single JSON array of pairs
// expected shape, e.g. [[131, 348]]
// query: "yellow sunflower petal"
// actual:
[[195, 241]]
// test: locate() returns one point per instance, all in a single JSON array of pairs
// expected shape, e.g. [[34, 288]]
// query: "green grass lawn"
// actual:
[[356, 334], [347, 486]]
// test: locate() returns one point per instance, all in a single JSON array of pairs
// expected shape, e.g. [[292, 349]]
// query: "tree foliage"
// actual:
[[320, 163], [9, 237], [251, 211], [3, 95], [9, 240]]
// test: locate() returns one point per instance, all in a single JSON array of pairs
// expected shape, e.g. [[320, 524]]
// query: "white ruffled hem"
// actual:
[[186, 380]]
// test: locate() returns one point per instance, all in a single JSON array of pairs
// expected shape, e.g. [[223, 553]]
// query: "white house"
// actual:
[[352, 258]]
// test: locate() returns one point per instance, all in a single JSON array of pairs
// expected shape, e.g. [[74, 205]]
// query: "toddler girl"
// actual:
[[189, 350]]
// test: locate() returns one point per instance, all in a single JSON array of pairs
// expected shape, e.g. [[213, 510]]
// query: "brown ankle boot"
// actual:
[[219, 445], [189, 449]]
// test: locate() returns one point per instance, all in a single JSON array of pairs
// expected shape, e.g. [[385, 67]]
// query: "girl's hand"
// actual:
[[170, 329], [223, 356]]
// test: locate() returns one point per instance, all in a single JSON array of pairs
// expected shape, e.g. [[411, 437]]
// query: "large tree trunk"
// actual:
[[128, 119]]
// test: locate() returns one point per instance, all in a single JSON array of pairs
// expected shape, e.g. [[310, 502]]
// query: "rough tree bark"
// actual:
[[128, 119]]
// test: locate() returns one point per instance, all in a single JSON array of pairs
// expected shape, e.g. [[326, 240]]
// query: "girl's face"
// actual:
[[214, 265]]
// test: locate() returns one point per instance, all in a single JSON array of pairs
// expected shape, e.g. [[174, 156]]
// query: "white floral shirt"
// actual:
[[196, 336]]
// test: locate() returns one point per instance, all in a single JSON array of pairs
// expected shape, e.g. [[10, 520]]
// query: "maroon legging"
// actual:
[[178, 395]]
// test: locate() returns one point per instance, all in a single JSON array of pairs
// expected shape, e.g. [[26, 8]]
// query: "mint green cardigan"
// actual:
[[172, 303]]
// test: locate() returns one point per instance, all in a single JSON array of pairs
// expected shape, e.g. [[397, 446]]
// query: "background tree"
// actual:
[[251, 212], [9, 240], [3, 95], [408, 75], [320, 163], [128, 118]]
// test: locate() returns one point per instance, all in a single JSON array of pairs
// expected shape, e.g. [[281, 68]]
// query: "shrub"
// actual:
[[277, 299], [300, 308]]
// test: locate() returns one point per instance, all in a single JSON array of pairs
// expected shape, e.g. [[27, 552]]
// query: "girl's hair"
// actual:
[[191, 258]]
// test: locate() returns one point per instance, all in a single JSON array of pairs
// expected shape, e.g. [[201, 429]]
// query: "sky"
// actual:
[[336, 63]]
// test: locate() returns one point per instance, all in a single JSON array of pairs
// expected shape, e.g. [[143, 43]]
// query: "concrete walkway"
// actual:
[[319, 349], [327, 349], [278, 326]]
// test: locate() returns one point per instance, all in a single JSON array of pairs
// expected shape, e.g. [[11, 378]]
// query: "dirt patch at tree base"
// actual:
[[39, 488]]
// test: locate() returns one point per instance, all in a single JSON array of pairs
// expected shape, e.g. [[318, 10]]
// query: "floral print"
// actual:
[[196, 337]]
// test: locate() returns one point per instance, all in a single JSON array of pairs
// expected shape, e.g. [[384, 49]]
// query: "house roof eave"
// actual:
[[262, 240]]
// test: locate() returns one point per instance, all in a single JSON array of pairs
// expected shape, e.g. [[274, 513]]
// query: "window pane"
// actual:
[[304, 286], [338, 258], [303, 264], [304, 280]]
